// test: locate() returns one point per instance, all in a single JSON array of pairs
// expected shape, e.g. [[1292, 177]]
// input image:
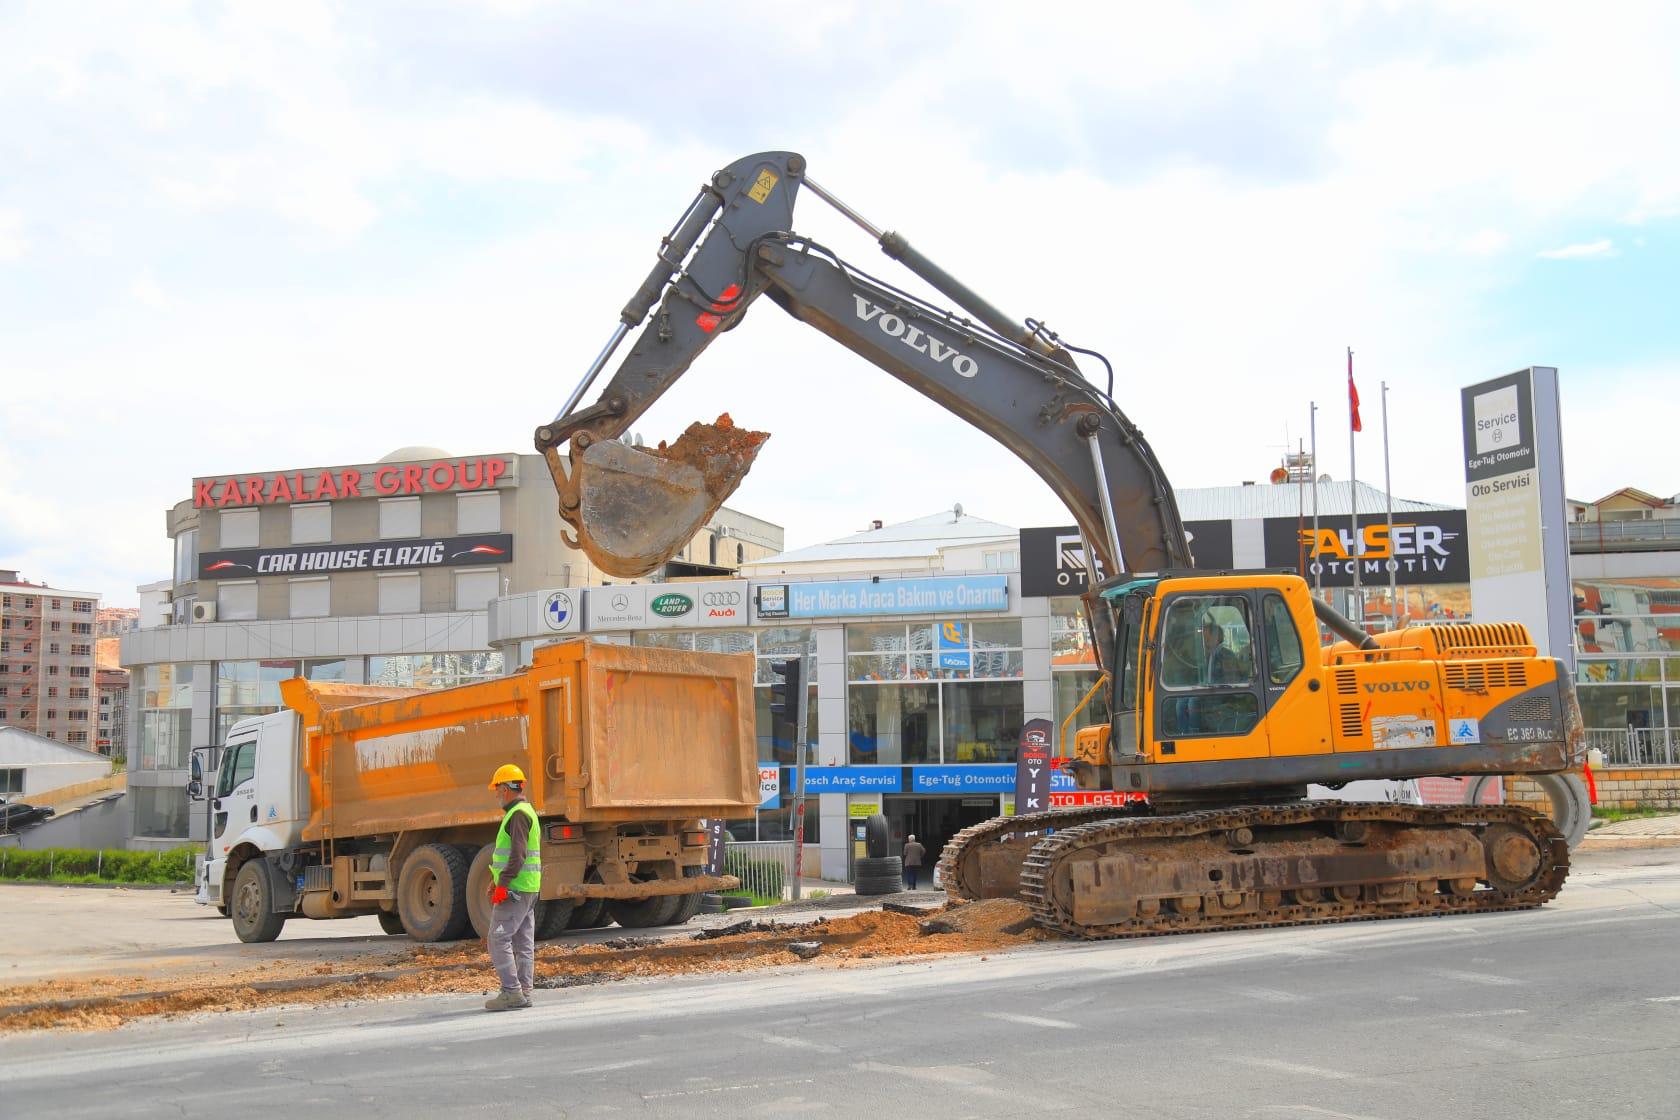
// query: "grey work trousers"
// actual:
[[513, 940]]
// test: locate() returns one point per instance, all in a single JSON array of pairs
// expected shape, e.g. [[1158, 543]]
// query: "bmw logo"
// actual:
[[557, 611]]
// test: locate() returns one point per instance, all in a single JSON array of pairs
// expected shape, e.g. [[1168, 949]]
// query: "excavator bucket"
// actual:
[[634, 508]]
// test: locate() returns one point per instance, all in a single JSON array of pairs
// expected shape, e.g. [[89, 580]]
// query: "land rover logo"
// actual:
[[672, 605]]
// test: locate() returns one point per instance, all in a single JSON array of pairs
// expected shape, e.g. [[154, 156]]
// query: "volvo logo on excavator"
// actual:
[[912, 336], [1397, 686]]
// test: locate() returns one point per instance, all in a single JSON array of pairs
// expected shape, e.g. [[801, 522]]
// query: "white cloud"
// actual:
[[1601, 248], [380, 229], [12, 244]]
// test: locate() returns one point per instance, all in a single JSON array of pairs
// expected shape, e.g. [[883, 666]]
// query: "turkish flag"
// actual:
[[1353, 397]]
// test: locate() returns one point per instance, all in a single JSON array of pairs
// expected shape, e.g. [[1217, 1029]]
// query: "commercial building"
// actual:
[[370, 572], [33, 764], [1625, 570], [47, 660], [935, 640], [112, 738]]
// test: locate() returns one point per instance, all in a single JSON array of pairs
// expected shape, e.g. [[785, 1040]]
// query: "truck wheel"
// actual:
[[644, 913], [553, 917], [432, 893], [688, 904], [391, 922], [591, 913], [252, 908], [478, 888]]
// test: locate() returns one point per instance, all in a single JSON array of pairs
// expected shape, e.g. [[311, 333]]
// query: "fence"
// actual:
[[765, 867], [1635, 746]]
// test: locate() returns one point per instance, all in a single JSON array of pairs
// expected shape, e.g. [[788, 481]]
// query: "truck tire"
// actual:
[[432, 894], [553, 917], [688, 904], [591, 913], [644, 913], [391, 922], [252, 908], [883, 875], [877, 836], [478, 887]]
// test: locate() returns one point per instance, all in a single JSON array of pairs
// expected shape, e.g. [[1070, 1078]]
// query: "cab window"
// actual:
[[239, 765], [1207, 668], [1283, 641]]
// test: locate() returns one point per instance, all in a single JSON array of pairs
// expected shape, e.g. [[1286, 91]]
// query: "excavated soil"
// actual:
[[464, 967], [721, 452]]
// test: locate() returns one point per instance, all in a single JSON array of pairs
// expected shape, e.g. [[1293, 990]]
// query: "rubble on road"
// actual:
[[989, 917], [464, 967]]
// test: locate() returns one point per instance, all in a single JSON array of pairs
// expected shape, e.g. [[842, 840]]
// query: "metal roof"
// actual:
[[923, 536], [1287, 499], [24, 748]]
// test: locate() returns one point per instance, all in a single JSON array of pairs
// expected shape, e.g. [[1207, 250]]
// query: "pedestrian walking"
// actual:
[[914, 853], [515, 879]]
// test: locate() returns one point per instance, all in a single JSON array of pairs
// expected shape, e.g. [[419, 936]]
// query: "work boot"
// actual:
[[507, 1001]]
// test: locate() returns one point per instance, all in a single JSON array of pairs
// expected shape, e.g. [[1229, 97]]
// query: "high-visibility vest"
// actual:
[[529, 878]]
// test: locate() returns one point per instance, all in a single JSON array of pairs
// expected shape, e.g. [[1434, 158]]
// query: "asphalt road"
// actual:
[[1570, 1011]]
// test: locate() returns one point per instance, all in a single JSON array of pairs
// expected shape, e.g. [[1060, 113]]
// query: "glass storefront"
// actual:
[[1627, 672], [160, 812], [433, 670], [166, 700], [933, 692]]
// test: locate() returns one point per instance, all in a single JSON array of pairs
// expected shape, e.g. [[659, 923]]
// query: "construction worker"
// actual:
[[515, 879]]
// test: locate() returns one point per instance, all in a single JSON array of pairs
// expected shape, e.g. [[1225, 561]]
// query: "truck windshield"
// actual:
[[239, 764]]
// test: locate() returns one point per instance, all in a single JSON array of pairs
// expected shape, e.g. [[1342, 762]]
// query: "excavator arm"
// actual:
[[632, 508]]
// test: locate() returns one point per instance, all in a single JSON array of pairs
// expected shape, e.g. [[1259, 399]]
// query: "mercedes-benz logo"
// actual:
[[621, 602]]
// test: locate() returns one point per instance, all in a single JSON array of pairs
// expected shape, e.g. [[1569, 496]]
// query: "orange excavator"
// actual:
[[1224, 703]]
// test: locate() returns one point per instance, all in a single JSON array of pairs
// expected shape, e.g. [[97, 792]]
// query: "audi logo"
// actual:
[[721, 599]]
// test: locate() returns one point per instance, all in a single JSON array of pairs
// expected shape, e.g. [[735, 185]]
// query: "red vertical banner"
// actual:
[[1353, 398]]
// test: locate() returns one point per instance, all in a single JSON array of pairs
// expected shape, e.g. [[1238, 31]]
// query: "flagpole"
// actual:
[[1353, 498], [1318, 589], [1388, 494]]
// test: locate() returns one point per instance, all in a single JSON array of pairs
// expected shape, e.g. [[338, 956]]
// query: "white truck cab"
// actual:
[[259, 803]]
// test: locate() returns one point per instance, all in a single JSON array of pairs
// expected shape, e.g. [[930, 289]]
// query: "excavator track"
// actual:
[[960, 864], [1249, 867]]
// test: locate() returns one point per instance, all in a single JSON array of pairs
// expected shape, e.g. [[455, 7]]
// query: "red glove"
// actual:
[[498, 895]]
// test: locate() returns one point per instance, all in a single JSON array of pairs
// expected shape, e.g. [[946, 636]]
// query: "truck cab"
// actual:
[[259, 802]]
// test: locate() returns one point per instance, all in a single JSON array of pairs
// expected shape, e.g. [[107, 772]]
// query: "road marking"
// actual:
[[794, 1043], [1473, 977], [611, 1066], [1292, 1067], [745, 1087], [1314, 1111], [1065, 1004], [1663, 999], [1271, 995], [1032, 1021]]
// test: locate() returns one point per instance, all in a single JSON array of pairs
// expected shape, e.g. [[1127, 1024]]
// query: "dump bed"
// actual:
[[603, 732]]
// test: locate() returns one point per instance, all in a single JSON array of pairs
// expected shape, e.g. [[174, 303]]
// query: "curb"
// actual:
[[183, 888]]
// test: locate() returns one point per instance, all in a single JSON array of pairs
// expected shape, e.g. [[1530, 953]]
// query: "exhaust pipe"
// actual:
[[1339, 623]]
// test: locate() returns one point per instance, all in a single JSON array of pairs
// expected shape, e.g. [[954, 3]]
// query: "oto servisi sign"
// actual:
[[379, 556], [667, 606]]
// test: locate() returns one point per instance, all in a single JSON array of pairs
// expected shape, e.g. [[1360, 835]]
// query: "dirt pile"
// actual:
[[721, 452], [464, 967], [992, 917]]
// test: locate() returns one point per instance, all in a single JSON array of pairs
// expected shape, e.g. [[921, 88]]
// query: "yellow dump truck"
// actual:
[[359, 799]]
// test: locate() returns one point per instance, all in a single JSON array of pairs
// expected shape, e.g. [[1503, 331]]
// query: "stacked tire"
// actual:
[[878, 875]]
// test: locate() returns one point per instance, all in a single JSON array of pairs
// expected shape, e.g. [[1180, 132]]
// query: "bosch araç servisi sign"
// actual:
[[311, 559]]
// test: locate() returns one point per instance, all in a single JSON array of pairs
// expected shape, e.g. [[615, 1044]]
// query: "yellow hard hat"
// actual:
[[507, 773]]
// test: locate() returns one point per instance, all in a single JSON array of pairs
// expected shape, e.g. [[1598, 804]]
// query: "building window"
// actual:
[[81, 628], [58, 604], [186, 556], [82, 606], [78, 715], [312, 524], [77, 737], [79, 693], [399, 592], [932, 692], [474, 588], [399, 518], [238, 528], [310, 598], [160, 812], [478, 513], [248, 688], [11, 780], [236, 601], [166, 700], [1002, 560], [80, 649], [433, 670], [325, 669], [1628, 668]]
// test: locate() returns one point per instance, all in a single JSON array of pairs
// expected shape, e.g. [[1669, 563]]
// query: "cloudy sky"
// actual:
[[263, 236]]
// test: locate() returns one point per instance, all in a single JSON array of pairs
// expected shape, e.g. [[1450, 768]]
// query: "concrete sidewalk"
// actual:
[[1658, 830]]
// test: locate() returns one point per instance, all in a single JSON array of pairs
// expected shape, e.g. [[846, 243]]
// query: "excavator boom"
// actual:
[[632, 509]]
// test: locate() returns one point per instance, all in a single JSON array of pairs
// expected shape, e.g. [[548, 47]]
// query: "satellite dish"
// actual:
[[1324, 478], [957, 509]]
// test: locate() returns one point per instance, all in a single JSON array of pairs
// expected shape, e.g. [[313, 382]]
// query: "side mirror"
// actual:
[[195, 790]]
